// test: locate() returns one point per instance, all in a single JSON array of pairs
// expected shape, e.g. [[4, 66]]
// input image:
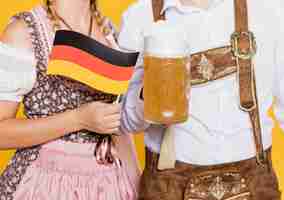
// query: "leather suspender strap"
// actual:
[[157, 6], [244, 49], [255, 121]]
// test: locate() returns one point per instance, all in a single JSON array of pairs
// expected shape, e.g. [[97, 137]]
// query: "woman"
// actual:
[[55, 156]]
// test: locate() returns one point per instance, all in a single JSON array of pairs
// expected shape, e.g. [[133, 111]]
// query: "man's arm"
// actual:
[[131, 39], [132, 114]]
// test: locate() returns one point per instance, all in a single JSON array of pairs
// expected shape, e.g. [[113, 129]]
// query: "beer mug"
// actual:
[[166, 77]]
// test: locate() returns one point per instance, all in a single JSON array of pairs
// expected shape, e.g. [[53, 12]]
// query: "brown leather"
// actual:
[[255, 121], [234, 181], [211, 65], [157, 6], [244, 65], [246, 76], [217, 63]]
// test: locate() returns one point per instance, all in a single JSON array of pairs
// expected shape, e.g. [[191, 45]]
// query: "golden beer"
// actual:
[[166, 82]]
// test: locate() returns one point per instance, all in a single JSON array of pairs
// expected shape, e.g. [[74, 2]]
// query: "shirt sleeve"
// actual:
[[131, 39], [17, 73], [279, 73], [132, 116], [131, 32]]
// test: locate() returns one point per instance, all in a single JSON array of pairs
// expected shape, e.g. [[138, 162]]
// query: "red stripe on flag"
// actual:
[[90, 62]]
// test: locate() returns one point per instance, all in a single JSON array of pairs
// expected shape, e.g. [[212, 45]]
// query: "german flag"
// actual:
[[83, 59]]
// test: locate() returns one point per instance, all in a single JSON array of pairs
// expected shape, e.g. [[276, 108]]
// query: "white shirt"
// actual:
[[217, 130]]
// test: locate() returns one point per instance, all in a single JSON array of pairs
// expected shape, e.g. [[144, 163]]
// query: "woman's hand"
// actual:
[[99, 117]]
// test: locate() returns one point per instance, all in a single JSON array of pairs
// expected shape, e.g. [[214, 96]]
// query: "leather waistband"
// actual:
[[152, 163]]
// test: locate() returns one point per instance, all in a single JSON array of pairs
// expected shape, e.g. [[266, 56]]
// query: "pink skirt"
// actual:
[[69, 171]]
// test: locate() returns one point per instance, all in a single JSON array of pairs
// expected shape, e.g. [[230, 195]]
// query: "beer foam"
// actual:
[[166, 39]]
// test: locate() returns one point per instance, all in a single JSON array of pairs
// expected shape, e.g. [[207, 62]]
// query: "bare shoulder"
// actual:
[[17, 35]]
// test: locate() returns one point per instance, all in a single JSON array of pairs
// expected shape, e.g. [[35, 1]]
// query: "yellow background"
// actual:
[[113, 9]]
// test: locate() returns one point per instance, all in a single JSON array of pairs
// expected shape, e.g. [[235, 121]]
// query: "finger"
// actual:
[[113, 125], [117, 134], [116, 131], [112, 109], [112, 131], [112, 118]]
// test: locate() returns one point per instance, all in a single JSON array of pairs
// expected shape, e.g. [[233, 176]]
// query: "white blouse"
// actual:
[[17, 72]]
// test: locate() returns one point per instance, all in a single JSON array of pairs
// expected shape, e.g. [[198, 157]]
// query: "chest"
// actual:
[[213, 27], [54, 94]]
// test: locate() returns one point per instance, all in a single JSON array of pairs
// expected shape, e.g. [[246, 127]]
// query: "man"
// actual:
[[223, 150]]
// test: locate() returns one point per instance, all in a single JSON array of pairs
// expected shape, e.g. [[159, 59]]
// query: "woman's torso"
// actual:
[[70, 157]]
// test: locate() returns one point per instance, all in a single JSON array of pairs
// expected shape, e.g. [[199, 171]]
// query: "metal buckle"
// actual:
[[245, 55]]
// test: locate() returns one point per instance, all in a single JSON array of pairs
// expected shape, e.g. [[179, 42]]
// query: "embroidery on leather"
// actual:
[[218, 189], [211, 65], [206, 68], [222, 186]]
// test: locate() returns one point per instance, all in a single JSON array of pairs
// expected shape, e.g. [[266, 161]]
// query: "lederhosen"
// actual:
[[252, 179]]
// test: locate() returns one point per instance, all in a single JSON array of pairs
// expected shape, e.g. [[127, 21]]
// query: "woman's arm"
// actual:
[[18, 133]]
